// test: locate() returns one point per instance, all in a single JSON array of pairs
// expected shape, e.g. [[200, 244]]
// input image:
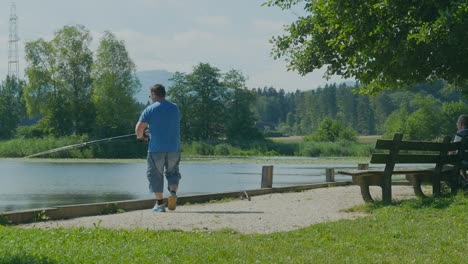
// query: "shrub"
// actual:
[[332, 130], [334, 149], [222, 149]]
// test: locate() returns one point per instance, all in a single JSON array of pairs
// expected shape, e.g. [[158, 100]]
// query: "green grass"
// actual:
[[419, 231], [370, 140], [290, 139]]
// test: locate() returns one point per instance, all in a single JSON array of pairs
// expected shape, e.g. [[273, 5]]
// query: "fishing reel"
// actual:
[[145, 138]]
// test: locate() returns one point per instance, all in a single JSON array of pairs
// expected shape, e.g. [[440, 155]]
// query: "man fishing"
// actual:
[[163, 119]]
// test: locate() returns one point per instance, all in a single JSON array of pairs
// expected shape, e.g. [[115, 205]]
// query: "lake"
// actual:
[[26, 184]]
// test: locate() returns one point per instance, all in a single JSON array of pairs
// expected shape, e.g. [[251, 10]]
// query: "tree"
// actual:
[[365, 116], [425, 122], [114, 86], [11, 106], [214, 106], [383, 108], [59, 86], [240, 120], [384, 44], [346, 102], [75, 60], [450, 113], [208, 104], [396, 123], [181, 94]]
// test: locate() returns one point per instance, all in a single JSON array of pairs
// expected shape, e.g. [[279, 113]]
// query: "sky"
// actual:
[[172, 35]]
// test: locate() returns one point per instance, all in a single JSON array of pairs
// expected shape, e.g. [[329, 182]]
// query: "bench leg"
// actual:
[[365, 192], [455, 182], [416, 182]]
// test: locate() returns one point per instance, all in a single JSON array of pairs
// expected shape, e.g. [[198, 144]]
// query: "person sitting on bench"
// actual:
[[462, 132]]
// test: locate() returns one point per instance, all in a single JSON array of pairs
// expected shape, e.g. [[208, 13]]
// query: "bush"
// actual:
[[332, 130], [29, 132], [202, 148], [222, 149]]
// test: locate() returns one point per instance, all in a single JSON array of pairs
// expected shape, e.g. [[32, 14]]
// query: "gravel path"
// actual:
[[263, 214]]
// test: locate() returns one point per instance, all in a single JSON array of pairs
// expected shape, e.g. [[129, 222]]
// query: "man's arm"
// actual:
[[140, 129]]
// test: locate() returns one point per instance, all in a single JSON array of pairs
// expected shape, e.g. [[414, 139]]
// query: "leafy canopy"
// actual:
[[384, 44]]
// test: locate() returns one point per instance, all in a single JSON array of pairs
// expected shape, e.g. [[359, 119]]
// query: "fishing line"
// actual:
[[80, 145]]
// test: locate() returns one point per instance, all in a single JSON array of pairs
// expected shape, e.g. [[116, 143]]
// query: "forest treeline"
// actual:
[[425, 112]]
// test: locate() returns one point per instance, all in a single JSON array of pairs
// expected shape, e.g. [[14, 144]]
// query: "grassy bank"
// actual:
[[20, 147], [127, 149], [420, 231]]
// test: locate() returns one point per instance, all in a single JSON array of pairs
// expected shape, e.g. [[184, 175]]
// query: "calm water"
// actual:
[[36, 184]]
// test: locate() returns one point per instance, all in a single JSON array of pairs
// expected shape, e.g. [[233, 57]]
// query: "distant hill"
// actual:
[[148, 78]]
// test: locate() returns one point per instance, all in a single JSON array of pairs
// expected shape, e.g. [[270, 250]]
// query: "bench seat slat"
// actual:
[[402, 158], [381, 172]]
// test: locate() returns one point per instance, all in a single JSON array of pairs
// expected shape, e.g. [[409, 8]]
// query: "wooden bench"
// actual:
[[445, 167]]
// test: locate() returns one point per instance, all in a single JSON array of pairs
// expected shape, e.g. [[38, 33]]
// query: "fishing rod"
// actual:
[[80, 145]]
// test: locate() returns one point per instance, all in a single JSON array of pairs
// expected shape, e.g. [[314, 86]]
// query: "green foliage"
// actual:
[[4, 220], [424, 123], [382, 44], [396, 122], [401, 233], [430, 119], [240, 119], [450, 112], [222, 150], [25, 147], [41, 216], [330, 131], [214, 106], [112, 208], [11, 106], [33, 131], [22, 147], [272, 106], [366, 115], [334, 149], [59, 87], [205, 115], [114, 87], [200, 148]]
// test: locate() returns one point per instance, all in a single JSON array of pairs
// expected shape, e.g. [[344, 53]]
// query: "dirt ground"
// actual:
[[263, 214]]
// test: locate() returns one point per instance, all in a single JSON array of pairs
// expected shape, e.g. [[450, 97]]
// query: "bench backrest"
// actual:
[[417, 152]]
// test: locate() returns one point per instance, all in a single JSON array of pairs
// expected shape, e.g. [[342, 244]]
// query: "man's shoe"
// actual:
[[159, 208], [172, 201]]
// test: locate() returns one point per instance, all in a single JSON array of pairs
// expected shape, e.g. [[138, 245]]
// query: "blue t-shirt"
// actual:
[[163, 118]]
